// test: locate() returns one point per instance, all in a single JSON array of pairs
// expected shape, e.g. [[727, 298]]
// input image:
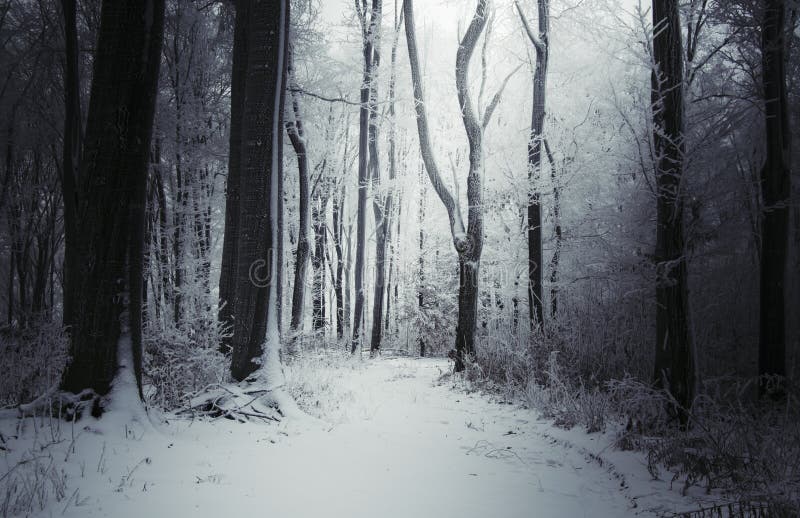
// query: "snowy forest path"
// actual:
[[405, 443]]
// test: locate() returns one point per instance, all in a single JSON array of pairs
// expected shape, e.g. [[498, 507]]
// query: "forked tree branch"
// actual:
[[487, 115], [426, 149], [537, 42]]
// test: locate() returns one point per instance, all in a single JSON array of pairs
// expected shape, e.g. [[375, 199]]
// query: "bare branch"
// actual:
[[537, 42], [487, 115], [431, 167], [297, 89], [463, 55]]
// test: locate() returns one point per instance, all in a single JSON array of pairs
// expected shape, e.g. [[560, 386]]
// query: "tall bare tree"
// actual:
[[383, 205], [296, 132], [337, 216], [370, 21], [674, 358], [230, 250], [72, 140], [775, 191], [468, 241], [541, 44], [256, 333], [107, 198]]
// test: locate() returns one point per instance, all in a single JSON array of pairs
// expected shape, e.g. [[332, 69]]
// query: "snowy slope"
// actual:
[[402, 445]]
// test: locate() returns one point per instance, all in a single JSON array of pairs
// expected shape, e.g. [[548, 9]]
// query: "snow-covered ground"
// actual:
[[396, 441]]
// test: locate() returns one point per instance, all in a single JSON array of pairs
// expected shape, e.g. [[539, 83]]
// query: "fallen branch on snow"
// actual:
[[231, 402]]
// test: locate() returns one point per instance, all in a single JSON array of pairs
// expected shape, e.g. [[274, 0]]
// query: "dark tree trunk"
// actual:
[[467, 310], [297, 136], [10, 295], [383, 211], [776, 191], [541, 44], [370, 27], [380, 212], [318, 264], [105, 290], [348, 268], [227, 278], [421, 277], [467, 242], [674, 365], [72, 150], [557, 230], [279, 236], [262, 139], [337, 217], [380, 281]]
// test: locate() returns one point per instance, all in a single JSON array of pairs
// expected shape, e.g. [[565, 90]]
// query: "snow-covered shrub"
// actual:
[[315, 382], [36, 355], [310, 342], [434, 323], [181, 361], [734, 441], [567, 401], [502, 359], [538, 373]]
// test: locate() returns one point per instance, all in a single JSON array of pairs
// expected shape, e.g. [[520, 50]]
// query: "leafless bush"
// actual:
[[538, 373], [314, 381], [602, 335], [180, 361], [30, 484], [36, 355], [735, 442], [35, 474], [502, 359], [575, 375]]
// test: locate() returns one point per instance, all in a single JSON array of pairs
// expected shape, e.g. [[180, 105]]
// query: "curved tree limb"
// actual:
[[487, 114], [428, 157], [538, 44]]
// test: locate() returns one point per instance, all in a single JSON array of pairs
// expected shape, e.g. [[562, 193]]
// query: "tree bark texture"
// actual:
[[262, 138], [776, 191], [296, 133], [106, 255], [541, 45], [674, 362], [370, 28], [468, 242], [230, 250]]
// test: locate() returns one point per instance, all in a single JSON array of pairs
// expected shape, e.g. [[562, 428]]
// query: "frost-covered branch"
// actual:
[[536, 40], [428, 157]]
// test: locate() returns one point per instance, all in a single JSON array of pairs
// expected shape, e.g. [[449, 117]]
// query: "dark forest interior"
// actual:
[[259, 213]]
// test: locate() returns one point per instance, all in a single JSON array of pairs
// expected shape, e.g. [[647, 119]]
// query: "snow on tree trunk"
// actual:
[[256, 334], [468, 242]]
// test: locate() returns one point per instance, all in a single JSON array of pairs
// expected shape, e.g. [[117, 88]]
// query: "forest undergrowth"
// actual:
[[746, 447], [734, 442]]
